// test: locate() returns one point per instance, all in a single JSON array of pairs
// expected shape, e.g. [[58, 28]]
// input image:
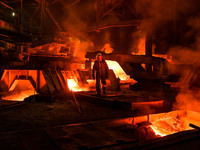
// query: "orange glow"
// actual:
[[157, 131], [19, 90], [119, 72], [169, 125], [168, 58], [73, 85], [19, 96], [172, 122], [164, 124], [117, 69], [155, 104], [107, 48], [140, 46], [78, 47]]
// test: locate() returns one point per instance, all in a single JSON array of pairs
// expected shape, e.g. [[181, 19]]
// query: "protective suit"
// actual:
[[100, 72]]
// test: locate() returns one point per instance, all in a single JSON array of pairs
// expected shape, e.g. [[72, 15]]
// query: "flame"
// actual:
[[78, 47], [107, 48], [119, 72], [140, 48], [169, 125], [74, 86]]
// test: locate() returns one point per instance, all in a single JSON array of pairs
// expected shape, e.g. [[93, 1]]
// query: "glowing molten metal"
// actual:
[[19, 90], [19, 96], [166, 126], [173, 122], [73, 85], [117, 69]]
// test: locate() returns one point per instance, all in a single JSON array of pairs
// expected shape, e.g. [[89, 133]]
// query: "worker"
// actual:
[[100, 72]]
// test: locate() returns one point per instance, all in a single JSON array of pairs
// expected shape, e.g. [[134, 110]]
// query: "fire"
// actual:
[[119, 72], [140, 46], [74, 86], [107, 48]]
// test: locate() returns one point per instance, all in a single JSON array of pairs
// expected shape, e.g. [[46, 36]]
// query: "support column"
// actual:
[[38, 81], [148, 50]]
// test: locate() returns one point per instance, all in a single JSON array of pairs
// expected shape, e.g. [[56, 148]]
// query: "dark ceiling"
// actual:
[[61, 15], [173, 22]]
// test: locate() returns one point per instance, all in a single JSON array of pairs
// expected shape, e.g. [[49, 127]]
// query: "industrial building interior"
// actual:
[[48, 94]]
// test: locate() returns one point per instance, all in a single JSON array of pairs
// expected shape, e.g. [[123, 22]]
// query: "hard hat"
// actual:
[[99, 54]]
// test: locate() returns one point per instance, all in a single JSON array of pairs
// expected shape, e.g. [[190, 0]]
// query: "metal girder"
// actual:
[[51, 15], [6, 5], [111, 9], [43, 6], [122, 24], [61, 1], [103, 10]]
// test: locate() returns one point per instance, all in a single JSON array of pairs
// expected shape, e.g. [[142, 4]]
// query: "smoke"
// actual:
[[76, 23], [156, 16], [188, 100], [138, 44], [170, 23], [187, 55], [81, 19], [175, 26], [189, 82]]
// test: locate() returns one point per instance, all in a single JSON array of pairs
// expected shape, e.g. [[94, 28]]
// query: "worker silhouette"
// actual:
[[100, 72]]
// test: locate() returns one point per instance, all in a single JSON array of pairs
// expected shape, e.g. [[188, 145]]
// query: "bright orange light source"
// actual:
[[117, 69], [168, 125], [73, 85], [19, 90]]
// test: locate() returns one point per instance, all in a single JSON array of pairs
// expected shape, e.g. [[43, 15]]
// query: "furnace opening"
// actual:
[[19, 90]]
